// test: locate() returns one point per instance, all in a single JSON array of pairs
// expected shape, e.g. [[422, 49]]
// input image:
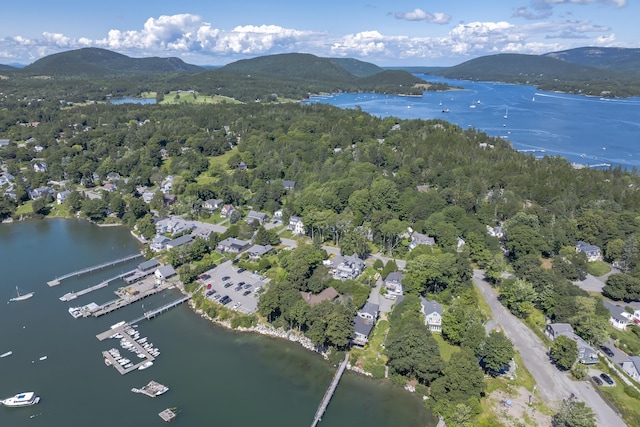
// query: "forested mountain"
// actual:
[[96, 62], [7, 68], [356, 67], [609, 58]]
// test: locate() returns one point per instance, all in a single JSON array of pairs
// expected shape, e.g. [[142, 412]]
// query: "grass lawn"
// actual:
[[626, 341], [174, 97], [446, 349], [216, 162], [598, 268], [371, 358], [25, 209], [628, 406], [59, 211]]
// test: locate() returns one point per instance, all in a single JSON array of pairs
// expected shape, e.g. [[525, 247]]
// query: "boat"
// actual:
[[22, 297], [446, 110], [43, 358], [506, 113], [27, 398], [107, 362], [75, 312], [117, 325], [8, 353], [145, 365], [472, 106]]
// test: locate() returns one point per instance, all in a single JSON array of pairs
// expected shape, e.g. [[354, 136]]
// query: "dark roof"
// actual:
[[431, 306], [361, 326], [328, 294], [370, 308], [166, 271], [616, 311], [148, 265], [182, 240], [394, 276], [288, 184]]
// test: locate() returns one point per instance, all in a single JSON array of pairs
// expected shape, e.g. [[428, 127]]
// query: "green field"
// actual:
[[188, 97]]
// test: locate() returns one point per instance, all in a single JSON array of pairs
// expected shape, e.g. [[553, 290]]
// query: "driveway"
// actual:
[[384, 304], [552, 385]]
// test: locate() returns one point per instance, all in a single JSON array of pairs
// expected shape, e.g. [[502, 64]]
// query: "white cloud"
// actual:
[[543, 9], [421, 15]]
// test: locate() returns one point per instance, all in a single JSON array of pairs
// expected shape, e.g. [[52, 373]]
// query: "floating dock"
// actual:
[[153, 389], [168, 414], [153, 313], [73, 295], [122, 329], [115, 304], [58, 280]]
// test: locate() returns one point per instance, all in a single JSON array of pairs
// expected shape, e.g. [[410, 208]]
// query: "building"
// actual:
[[619, 318], [180, 241], [159, 243], [260, 217], [172, 226], [345, 267], [61, 196], [4, 143], [113, 177], [328, 294], [227, 210], [212, 204], [296, 226], [369, 311], [256, 252], [165, 272], [592, 252], [288, 185], [393, 283], [432, 312], [40, 192], [232, 245], [632, 367], [418, 239], [40, 167], [497, 231], [149, 265], [586, 354], [361, 331]]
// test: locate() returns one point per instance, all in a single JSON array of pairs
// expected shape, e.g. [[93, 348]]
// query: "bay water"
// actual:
[[216, 376], [583, 129]]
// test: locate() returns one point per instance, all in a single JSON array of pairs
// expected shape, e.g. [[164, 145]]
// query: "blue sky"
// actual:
[[398, 32]]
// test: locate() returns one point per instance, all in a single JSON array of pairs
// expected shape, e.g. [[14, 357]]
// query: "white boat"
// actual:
[[116, 325], [75, 312], [506, 113], [472, 106], [43, 358], [22, 297], [23, 399], [145, 365], [8, 353]]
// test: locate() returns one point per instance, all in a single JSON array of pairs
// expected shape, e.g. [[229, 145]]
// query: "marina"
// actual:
[[153, 389], [129, 340], [58, 280], [129, 295]]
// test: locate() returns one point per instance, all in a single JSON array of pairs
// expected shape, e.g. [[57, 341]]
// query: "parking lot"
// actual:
[[239, 286]]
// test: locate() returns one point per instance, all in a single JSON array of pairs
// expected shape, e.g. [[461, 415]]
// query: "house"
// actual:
[[361, 331], [242, 166], [618, 318], [256, 252], [586, 354], [296, 226], [159, 243], [164, 272], [393, 283], [232, 245], [227, 210], [4, 143], [369, 311], [169, 199], [147, 196], [278, 214], [172, 226], [167, 184], [40, 192], [497, 231], [460, 244], [149, 265], [110, 187], [632, 367], [6, 179], [113, 177], [328, 294], [422, 188], [180, 241], [592, 252], [212, 204], [40, 167], [257, 216], [61, 196], [288, 185], [345, 267], [432, 311], [418, 239]]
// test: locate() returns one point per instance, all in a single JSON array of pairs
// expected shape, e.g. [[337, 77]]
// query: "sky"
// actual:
[[384, 32]]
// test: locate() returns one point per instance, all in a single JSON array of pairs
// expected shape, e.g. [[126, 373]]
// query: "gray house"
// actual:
[[418, 239], [180, 241], [257, 216], [232, 245], [586, 354], [256, 252], [632, 367], [592, 252], [362, 330], [432, 312]]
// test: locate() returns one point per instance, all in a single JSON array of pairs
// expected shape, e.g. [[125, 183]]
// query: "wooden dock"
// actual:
[[73, 295], [118, 303], [329, 393], [153, 313], [140, 349], [168, 414], [58, 280]]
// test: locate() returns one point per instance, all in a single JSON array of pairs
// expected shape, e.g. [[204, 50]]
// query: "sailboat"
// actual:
[[506, 113], [22, 297]]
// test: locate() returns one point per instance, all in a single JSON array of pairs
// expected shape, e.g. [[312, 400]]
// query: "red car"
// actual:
[[209, 286]]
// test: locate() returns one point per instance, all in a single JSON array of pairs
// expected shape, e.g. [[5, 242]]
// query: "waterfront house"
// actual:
[[592, 252], [345, 267], [180, 241], [40, 167], [361, 330], [288, 185], [159, 243], [418, 239], [232, 245], [328, 294], [393, 283], [61, 196], [40, 192], [432, 312], [165, 272], [369, 311], [227, 210], [149, 265], [632, 367], [296, 226], [586, 354], [256, 252], [260, 217], [172, 226], [212, 204], [618, 317]]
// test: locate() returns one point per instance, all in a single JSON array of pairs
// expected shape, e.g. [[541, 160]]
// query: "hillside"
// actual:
[[356, 67], [608, 58], [94, 62], [7, 68]]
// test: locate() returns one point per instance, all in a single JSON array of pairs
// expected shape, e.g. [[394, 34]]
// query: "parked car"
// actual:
[[245, 293], [607, 350], [247, 286], [204, 276], [237, 288], [226, 278], [241, 270], [216, 297], [210, 292], [241, 284], [607, 379], [596, 380], [209, 286], [228, 284]]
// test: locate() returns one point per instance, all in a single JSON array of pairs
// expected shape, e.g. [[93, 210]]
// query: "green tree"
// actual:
[[40, 207], [389, 267], [564, 352], [496, 352], [574, 414], [145, 227], [413, 352], [518, 296]]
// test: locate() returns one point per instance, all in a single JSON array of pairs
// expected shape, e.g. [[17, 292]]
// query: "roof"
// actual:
[[431, 306], [361, 326], [370, 308], [182, 240], [259, 250], [166, 271], [288, 184], [586, 247], [616, 312], [232, 241], [635, 360], [422, 239], [328, 294], [394, 276], [260, 215], [147, 265]]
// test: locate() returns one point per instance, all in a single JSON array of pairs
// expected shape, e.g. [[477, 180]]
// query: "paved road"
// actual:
[[552, 385]]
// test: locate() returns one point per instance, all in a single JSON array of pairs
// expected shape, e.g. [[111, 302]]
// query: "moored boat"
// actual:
[[22, 297], [22, 399], [145, 365]]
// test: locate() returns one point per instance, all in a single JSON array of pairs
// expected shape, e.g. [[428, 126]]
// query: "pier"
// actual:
[[329, 393], [115, 304], [122, 329], [73, 295], [58, 280], [153, 313]]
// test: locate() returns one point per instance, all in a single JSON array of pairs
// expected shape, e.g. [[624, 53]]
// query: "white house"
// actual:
[[40, 167], [296, 226], [257, 216], [497, 231], [363, 323], [632, 367], [159, 243], [212, 204], [592, 252], [618, 318], [345, 267], [586, 354], [227, 210], [432, 311], [164, 272], [61, 196], [369, 311], [393, 283]]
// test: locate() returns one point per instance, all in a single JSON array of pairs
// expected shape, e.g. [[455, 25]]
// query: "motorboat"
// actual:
[[75, 312], [8, 353], [27, 398], [145, 365], [107, 362]]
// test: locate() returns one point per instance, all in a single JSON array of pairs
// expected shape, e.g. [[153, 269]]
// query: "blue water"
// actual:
[[584, 130], [129, 100]]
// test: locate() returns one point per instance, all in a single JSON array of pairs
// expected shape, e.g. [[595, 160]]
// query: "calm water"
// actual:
[[585, 130], [129, 100], [216, 377]]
